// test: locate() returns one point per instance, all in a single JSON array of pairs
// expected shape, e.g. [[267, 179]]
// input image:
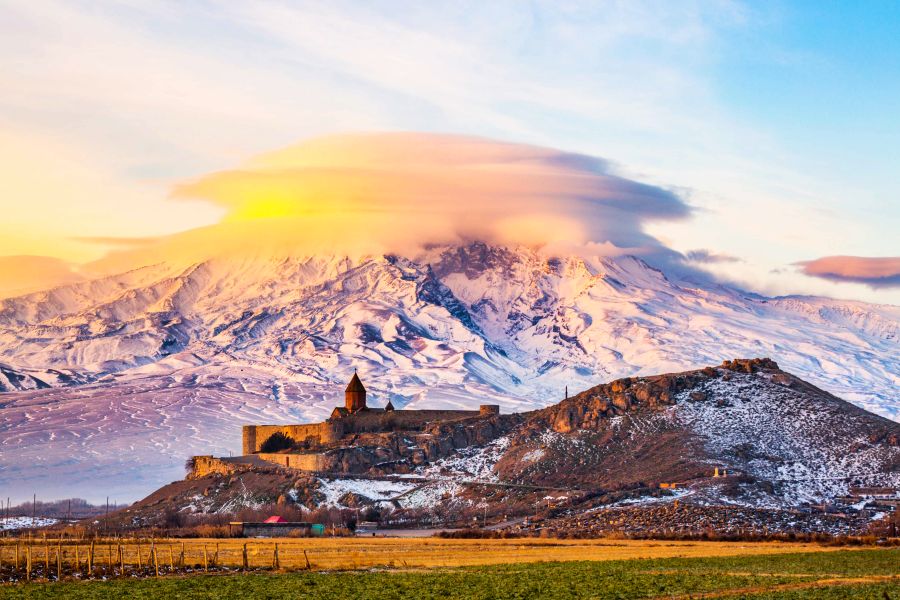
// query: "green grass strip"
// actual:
[[563, 580]]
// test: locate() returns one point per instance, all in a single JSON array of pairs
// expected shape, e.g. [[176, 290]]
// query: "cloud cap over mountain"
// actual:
[[876, 272], [395, 189]]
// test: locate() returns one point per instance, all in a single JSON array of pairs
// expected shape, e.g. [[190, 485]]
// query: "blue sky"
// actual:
[[778, 121], [825, 74]]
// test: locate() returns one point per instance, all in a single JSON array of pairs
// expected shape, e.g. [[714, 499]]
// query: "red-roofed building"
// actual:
[[275, 519]]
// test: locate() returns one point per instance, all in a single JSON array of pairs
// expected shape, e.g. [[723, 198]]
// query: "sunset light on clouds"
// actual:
[[471, 188], [143, 121]]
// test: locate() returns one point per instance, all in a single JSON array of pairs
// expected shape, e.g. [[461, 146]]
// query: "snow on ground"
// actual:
[[474, 462], [432, 494], [676, 494], [533, 455], [375, 490], [813, 461], [11, 523], [208, 504]]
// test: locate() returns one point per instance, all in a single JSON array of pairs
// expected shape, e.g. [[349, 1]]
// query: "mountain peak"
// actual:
[[445, 329]]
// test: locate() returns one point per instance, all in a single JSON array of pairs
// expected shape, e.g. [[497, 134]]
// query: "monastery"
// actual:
[[353, 438]]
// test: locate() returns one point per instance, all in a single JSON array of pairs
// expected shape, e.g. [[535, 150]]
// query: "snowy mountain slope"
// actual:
[[275, 337], [784, 441], [811, 445]]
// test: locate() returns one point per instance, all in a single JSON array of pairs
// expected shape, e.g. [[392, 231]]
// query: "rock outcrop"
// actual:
[[587, 409]]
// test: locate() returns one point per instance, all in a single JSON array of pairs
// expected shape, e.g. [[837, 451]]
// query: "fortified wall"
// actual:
[[336, 443], [253, 436], [363, 421], [213, 465]]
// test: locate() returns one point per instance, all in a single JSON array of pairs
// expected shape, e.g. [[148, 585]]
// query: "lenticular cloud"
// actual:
[[876, 272], [390, 191]]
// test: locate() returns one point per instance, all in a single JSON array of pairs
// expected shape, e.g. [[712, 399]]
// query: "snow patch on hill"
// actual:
[[758, 426], [374, 490]]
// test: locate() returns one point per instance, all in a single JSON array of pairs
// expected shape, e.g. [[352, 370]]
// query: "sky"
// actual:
[[771, 129]]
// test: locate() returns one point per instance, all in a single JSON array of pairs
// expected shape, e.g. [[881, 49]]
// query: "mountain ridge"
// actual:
[[450, 327]]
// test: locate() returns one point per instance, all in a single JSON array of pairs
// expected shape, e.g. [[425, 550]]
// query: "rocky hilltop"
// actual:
[[743, 434], [786, 440]]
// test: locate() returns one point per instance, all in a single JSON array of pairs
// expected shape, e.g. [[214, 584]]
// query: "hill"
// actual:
[[744, 435]]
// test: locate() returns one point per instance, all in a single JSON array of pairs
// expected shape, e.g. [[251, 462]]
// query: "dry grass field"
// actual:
[[52, 558], [357, 553]]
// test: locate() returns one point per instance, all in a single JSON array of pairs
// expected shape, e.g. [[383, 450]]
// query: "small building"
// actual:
[[274, 527], [884, 493], [366, 527]]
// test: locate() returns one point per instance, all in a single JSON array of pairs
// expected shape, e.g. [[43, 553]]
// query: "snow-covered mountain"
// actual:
[[117, 380]]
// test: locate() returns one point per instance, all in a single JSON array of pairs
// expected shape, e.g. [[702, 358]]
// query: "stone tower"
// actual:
[[355, 394]]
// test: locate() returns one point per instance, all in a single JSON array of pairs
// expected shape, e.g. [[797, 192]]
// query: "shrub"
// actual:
[[212, 531], [276, 442]]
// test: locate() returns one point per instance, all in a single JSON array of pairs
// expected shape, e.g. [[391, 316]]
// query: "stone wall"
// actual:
[[254, 436], [210, 465], [401, 420], [310, 461], [274, 530]]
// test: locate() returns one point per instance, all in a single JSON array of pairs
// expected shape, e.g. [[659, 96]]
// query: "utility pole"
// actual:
[[33, 508]]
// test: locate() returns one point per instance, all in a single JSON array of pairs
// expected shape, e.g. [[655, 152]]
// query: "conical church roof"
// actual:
[[355, 384]]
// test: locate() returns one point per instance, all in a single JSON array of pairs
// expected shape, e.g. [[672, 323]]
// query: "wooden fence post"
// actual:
[[77, 559], [171, 559], [155, 559], [121, 558], [140, 561], [205, 559], [59, 562], [17, 555], [46, 558], [28, 562], [244, 556], [308, 566], [181, 558], [90, 565], [216, 557]]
